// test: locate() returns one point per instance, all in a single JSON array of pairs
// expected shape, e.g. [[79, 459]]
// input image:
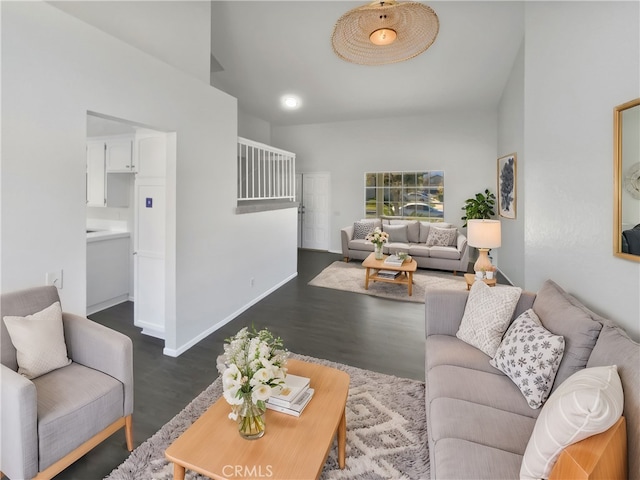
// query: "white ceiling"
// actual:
[[268, 49]]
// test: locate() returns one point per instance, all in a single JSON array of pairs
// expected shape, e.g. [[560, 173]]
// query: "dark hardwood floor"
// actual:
[[359, 330]]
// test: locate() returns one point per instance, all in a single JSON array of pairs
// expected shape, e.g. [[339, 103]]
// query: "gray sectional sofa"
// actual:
[[409, 236], [478, 421]]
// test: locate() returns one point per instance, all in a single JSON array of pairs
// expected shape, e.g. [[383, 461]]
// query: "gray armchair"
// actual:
[[51, 421]]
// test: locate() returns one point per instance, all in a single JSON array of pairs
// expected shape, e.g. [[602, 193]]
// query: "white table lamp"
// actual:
[[483, 235]]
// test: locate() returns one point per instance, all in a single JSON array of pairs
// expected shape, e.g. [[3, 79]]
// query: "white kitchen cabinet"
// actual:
[[150, 155], [108, 270], [105, 188], [119, 155]]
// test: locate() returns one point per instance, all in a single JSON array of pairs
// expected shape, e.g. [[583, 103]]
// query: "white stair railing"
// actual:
[[265, 172]]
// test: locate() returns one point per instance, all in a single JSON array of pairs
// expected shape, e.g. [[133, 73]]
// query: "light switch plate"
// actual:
[[54, 278]]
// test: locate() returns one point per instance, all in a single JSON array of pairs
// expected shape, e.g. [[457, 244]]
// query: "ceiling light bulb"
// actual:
[[291, 102], [383, 36]]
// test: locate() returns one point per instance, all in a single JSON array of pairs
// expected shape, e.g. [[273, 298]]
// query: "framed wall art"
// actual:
[[507, 192]]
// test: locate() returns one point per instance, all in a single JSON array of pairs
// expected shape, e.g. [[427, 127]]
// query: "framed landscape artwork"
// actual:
[[507, 194]]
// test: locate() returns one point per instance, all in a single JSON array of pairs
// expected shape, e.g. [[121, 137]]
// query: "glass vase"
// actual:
[[378, 250], [251, 418]]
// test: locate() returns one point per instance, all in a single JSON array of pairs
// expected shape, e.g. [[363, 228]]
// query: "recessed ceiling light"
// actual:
[[290, 102]]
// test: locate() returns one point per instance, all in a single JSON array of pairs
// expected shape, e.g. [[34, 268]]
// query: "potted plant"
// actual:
[[481, 206]]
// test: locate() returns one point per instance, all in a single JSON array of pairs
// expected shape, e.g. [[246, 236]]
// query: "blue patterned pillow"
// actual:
[[530, 356], [362, 229]]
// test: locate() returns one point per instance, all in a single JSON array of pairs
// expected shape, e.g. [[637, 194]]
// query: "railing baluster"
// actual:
[[264, 172]]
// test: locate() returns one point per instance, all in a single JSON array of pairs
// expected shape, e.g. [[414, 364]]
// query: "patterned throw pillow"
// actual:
[[487, 315], [426, 226], [362, 229], [39, 341], [442, 237], [530, 356]]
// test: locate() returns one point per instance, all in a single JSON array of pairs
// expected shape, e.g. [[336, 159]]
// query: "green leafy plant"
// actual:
[[479, 207]]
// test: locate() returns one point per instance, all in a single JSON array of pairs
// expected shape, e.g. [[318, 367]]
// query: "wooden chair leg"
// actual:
[[128, 432]]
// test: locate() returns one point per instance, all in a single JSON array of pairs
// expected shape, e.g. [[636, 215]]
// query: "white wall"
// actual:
[[55, 68], [253, 128], [176, 32], [461, 144], [581, 60], [511, 140]]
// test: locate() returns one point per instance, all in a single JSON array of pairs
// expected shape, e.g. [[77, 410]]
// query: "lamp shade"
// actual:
[[484, 233], [384, 32]]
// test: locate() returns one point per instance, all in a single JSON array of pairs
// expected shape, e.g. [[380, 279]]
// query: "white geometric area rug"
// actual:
[[350, 277], [386, 432]]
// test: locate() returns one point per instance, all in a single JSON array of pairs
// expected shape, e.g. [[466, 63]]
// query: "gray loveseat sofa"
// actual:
[[409, 236], [478, 421]]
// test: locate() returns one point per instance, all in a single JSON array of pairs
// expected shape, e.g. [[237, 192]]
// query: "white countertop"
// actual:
[[100, 235]]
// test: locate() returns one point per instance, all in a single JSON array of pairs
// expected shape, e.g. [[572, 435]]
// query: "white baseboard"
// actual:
[[150, 329], [107, 304], [507, 278], [170, 352]]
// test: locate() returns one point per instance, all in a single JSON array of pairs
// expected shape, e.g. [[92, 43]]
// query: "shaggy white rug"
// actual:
[[386, 431], [350, 277]]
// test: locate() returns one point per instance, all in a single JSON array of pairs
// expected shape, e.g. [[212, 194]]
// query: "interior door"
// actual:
[[313, 214], [300, 207]]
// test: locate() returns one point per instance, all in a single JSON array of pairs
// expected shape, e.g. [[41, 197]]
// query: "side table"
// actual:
[[470, 278]]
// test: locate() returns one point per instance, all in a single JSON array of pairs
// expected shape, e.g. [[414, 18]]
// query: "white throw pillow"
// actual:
[[39, 341], [587, 403], [530, 356], [487, 315]]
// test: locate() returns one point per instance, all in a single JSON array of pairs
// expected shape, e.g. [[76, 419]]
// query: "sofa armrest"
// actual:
[[19, 427], [346, 235], [463, 248], [600, 456], [103, 349], [443, 311]]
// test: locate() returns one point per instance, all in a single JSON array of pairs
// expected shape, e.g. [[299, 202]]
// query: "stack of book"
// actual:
[[394, 260], [295, 395], [387, 274]]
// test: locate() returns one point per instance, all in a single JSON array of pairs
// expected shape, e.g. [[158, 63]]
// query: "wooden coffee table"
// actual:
[[291, 448], [405, 277]]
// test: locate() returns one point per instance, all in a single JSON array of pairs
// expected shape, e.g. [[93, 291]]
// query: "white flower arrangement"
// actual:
[[377, 237], [253, 365]]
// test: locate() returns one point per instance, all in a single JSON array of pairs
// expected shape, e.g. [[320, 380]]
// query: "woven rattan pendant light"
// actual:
[[384, 32]]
